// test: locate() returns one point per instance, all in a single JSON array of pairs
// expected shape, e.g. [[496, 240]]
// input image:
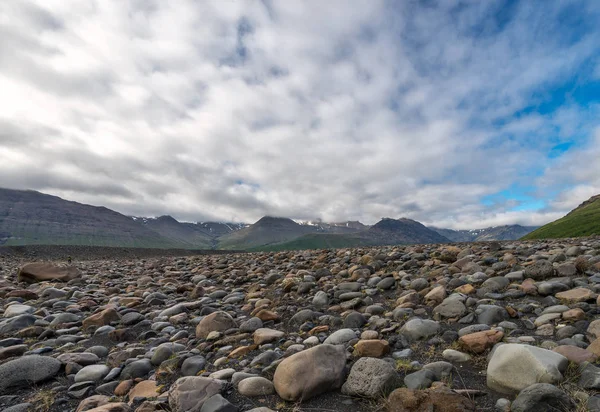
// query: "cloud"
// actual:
[[234, 110]]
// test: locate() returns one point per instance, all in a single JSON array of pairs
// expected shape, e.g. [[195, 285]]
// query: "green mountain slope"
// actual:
[[267, 231], [581, 221]]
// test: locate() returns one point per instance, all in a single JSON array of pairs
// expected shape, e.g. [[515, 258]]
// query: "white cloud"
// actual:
[[233, 110]]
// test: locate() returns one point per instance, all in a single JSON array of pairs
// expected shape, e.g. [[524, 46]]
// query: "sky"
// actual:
[[459, 114]]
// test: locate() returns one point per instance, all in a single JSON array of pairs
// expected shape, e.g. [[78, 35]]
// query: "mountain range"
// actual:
[[30, 217]]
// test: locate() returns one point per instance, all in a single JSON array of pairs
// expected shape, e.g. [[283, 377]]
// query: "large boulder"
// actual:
[[311, 372], [438, 400], [370, 378], [27, 370], [44, 271], [215, 322], [514, 367], [189, 393]]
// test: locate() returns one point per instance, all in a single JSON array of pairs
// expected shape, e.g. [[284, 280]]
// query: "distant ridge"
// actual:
[[506, 232]]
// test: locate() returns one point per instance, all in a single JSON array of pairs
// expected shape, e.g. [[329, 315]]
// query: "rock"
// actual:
[[419, 380], [371, 378], [590, 376], [217, 321], [513, 367], [12, 351], [435, 296], [576, 295], [542, 397], [450, 308], [112, 407], [192, 365], [164, 351], [136, 369], [16, 310], [144, 389], [418, 329], [437, 400], [575, 354], [43, 271], [102, 318], [540, 270], [266, 335], [80, 358], [321, 300], [217, 403], [311, 372], [340, 337], [373, 348], [256, 386], [251, 325], [93, 373], [92, 402], [478, 342], [27, 370], [490, 314], [452, 355], [188, 394]]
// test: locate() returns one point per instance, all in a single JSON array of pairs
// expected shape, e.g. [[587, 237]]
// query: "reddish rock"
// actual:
[[102, 318], [438, 400], [144, 389], [22, 293], [478, 342], [576, 295], [575, 354], [372, 348], [44, 271], [267, 315], [573, 314]]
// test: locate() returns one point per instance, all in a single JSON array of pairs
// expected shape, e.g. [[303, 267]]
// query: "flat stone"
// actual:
[[27, 370], [189, 393], [371, 378], [256, 386]]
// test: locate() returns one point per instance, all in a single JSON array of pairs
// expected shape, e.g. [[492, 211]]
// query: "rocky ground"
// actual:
[[508, 326]]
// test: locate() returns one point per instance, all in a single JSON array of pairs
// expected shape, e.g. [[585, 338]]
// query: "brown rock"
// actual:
[[11, 351], [435, 400], [22, 293], [311, 372], [575, 354], [573, 314], [44, 271], [92, 402], [576, 295], [411, 297], [122, 335], [112, 407], [242, 351], [466, 289], [102, 318], [372, 348], [266, 335], [528, 286], [267, 315], [123, 388], [478, 342], [144, 389], [318, 329], [435, 296], [215, 322], [594, 347]]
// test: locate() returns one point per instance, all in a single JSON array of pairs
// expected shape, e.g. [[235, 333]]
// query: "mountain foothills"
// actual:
[[30, 217], [584, 220]]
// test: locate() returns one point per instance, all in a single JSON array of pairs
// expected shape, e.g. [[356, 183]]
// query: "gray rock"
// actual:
[[418, 329], [321, 300], [256, 386], [217, 403], [340, 337], [188, 394], [17, 310], [16, 323], [22, 407], [386, 283], [542, 397], [301, 317], [251, 325], [490, 314], [450, 308], [540, 270], [590, 376], [419, 380], [164, 351], [371, 378], [354, 320], [441, 369], [94, 373], [136, 369], [192, 365], [27, 370]]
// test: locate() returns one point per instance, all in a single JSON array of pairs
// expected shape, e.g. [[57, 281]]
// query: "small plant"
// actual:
[[42, 400], [404, 365]]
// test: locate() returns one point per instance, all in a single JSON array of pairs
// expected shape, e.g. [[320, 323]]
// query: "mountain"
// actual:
[[266, 231], [386, 232], [28, 217], [507, 232], [584, 220], [339, 227]]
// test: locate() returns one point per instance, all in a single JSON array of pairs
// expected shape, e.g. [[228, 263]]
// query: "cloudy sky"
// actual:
[[460, 114]]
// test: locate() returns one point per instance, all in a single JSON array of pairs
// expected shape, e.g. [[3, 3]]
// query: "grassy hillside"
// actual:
[[582, 221], [267, 231]]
